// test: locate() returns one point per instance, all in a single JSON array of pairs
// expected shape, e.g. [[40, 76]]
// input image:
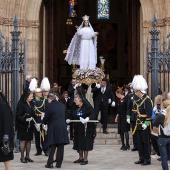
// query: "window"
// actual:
[[103, 9], [72, 8]]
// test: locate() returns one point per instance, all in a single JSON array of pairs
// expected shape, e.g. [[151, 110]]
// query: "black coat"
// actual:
[[99, 96], [83, 140], [131, 107], [25, 111], [87, 111], [55, 119], [6, 121], [6, 127], [123, 126]]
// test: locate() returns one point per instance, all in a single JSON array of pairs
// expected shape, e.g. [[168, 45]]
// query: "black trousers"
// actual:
[[59, 154], [143, 139], [104, 114], [39, 143], [135, 144]]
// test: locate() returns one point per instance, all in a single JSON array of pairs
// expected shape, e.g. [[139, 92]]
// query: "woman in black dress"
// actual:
[[123, 126], [6, 130], [83, 131], [25, 126]]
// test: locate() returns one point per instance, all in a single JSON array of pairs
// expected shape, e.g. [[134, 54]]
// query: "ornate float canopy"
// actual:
[[88, 77]]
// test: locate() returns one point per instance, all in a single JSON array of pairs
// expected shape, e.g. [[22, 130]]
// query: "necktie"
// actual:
[[103, 90]]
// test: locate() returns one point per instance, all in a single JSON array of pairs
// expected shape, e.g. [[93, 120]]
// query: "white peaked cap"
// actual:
[[140, 84], [45, 84], [33, 85]]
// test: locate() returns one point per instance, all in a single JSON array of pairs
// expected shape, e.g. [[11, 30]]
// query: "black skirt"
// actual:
[[82, 142], [4, 158], [123, 126], [24, 134]]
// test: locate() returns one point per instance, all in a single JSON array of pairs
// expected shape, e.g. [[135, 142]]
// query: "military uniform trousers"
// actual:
[[143, 140]]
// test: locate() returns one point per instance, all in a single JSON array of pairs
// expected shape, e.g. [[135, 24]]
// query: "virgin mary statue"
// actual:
[[82, 50]]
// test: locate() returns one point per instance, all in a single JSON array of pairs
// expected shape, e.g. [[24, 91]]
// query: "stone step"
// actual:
[[110, 136], [101, 141]]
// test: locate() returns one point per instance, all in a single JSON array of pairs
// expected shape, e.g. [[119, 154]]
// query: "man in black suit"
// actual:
[[57, 135], [71, 92], [104, 97]]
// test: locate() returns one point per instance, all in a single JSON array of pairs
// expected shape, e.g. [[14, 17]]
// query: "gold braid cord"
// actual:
[[137, 111], [37, 108]]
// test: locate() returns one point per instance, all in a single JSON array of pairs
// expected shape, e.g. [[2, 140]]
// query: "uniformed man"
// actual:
[[45, 87], [131, 114], [142, 106], [39, 104]]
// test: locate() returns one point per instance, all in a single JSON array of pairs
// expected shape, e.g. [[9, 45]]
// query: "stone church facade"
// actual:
[[29, 11]]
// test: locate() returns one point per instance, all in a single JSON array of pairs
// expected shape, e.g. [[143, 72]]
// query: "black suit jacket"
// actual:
[[100, 97], [55, 119]]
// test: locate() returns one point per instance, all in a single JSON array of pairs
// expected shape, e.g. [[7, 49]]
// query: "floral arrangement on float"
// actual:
[[89, 76]]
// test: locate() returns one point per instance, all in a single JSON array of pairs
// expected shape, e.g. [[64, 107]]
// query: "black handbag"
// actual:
[[6, 149]]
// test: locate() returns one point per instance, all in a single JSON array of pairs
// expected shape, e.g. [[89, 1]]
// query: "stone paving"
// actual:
[[103, 157]]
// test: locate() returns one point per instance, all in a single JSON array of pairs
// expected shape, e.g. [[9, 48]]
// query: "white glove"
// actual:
[[144, 126], [79, 84], [42, 115], [37, 126], [28, 119], [109, 101], [82, 120], [98, 85], [113, 104], [45, 127], [86, 119], [76, 86], [68, 121], [128, 121]]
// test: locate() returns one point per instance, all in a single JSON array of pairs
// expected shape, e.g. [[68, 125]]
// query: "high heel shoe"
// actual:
[[79, 161], [123, 148], [84, 163], [23, 160], [127, 147], [28, 159]]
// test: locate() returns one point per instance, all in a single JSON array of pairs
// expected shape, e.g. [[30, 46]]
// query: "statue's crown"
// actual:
[[85, 18]]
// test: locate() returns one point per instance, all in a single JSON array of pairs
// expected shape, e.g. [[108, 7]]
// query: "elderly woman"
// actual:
[[83, 131], [6, 130]]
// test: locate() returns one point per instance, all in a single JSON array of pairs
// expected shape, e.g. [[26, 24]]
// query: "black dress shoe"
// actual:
[[146, 163], [49, 166], [38, 153], [127, 147], [23, 160], [46, 153], [84, 163], [134, 149], [79, 161], [139, 162], [29, 160], [105, 132], [58, 166]]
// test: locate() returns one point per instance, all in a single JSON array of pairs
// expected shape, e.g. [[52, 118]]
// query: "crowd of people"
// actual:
[[42, 110]]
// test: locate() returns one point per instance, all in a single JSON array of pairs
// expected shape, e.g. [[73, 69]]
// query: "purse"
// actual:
[[6, 149]]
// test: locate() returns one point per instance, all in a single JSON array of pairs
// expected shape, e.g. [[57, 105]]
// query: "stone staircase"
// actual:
[[109, 139]]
